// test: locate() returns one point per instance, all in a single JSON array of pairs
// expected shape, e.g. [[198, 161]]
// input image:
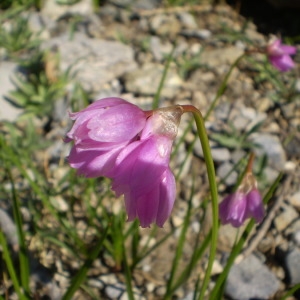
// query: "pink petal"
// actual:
[[290, 50], [282, 63], [255, 208], [141, 164], [166, 198], [232, 209], [117, 124], [147, 206], [93, 163]]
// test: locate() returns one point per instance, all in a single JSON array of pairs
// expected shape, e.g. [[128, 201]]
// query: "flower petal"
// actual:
[[255, 208], [232, 209], [141, 164], [92, 162], [117, 124], [282, 63], [166, 197]]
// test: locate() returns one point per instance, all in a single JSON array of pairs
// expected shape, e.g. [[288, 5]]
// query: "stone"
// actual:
[[292, 265], [295, 200], [145, 81], [93, 62], [220, 154], [285, 218], [202, 34], [8, 112], [225, 173], [216, 57], [187, 20], [158, 49], [271, 146], [55, 10], [251, 279], [9, 229], [165, 25], [114, 291]]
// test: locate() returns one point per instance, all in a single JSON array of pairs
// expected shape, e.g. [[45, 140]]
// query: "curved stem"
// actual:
[[213, 191]]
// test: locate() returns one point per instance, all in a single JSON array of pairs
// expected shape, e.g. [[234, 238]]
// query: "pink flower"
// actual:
[[114, 138], [237, 207], [100, 132], [279, 55]]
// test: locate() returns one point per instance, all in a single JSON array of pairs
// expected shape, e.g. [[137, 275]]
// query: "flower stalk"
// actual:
[[213, 191]]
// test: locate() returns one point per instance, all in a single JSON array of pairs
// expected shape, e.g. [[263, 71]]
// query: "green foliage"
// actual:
[[16, 37], [37, 93]]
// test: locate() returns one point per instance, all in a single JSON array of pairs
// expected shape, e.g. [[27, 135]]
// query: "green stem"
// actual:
[[291, 291], [155, 103], [213, 190], [223, 86]]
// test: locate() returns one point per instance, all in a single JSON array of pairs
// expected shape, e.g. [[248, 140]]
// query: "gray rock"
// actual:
[[158, 49], [9, 229], [8, 112], [295, 200], [202, 34], [216, 57], [220, 154], [223, 170], [114, 291], [292, 264], [285, 218], [93, 62], [146, 80], [165, 25], [54, 10], [187, 20], [251, 279], [271, 146]]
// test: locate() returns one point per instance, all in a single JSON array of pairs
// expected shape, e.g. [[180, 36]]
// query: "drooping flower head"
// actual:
[[245, 203], [280, 55], [116, 139]]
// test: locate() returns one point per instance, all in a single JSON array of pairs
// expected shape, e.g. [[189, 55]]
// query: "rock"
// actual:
[[145, 80], [158, 49], [216, 57], [251, 279], [220, 154], [114, 291], [9, 229], [292, 265], [55, 10], [295, 200], [187, 20], [165, 25], [271, 146], [223, 170], [8, 112], [93, 62], [285, 218], [202, 34]]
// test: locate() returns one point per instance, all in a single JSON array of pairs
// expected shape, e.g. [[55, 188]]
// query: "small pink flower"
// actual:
[[245, 203], [279, 55], [116, 139]]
